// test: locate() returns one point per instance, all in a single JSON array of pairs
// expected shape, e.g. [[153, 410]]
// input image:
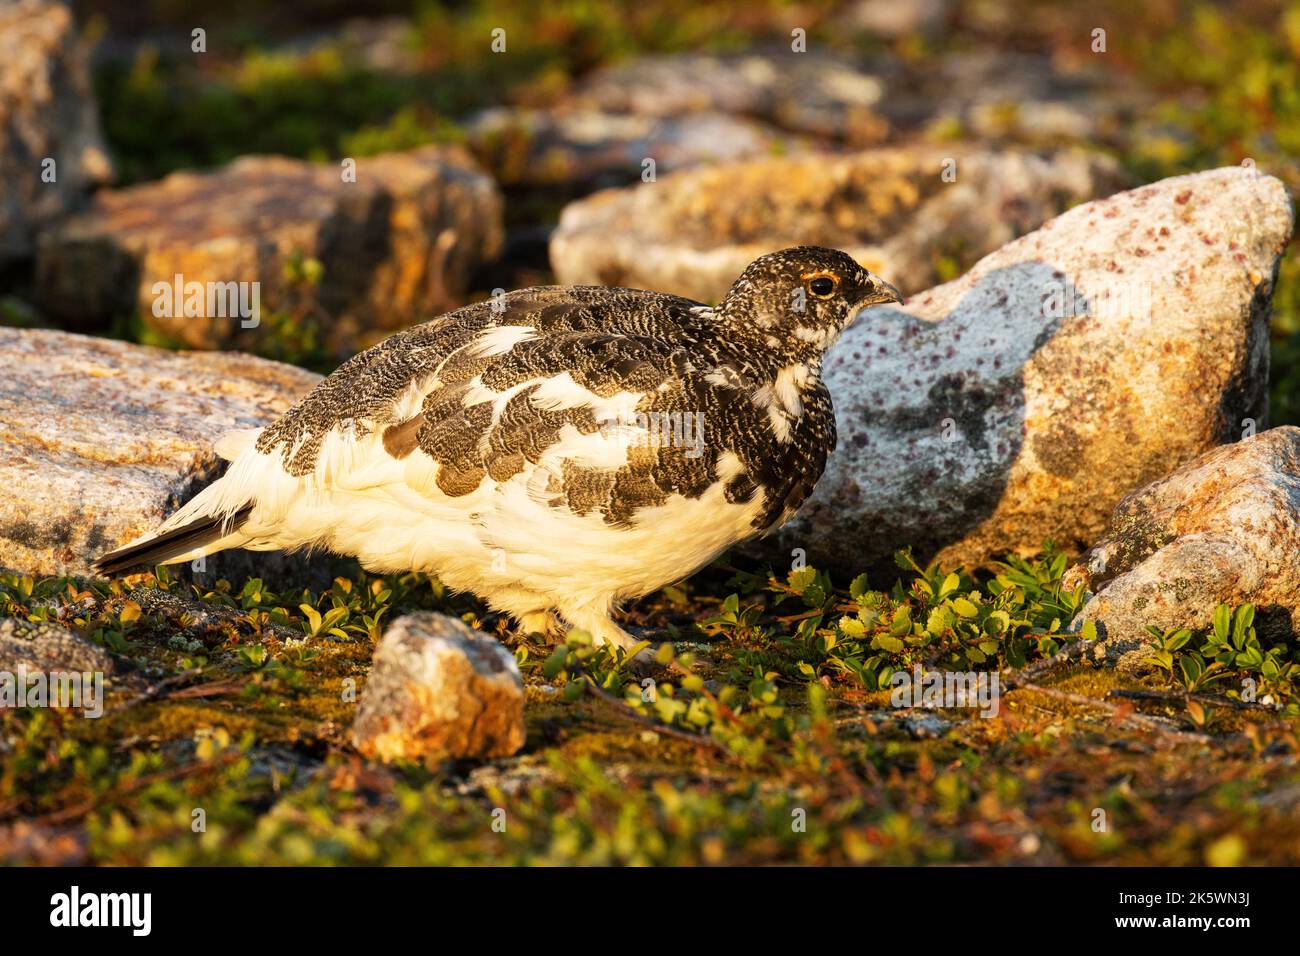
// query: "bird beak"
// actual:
[[881, 293], [884, 293]]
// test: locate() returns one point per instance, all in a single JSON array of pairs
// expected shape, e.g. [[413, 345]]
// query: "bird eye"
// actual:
[[823, 286]]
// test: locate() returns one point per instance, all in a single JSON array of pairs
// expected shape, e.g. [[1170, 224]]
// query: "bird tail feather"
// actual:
[[203, 526]]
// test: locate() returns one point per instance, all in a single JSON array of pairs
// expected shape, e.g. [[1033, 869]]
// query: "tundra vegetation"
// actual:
[[768, 736]]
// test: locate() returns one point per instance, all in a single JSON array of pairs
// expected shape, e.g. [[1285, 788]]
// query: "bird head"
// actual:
[[802, 298]]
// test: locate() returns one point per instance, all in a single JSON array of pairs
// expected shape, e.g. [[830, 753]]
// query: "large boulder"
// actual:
[[905, 213], [1223, 528], [47, 114], [439, 690], [1022, 401], [356, 251], [102, 439]]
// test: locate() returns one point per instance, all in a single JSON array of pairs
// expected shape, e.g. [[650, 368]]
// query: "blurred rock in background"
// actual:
[[892, 209], [606, 149], [51, 149], [394, 244], [817, 93]]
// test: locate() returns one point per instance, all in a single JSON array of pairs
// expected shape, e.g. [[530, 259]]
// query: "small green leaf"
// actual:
[[965, 608], [886, 643], [1222, 622], [902, 622]]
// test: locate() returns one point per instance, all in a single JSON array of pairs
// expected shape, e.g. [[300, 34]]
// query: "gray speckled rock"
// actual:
[[100, 439], [692, 233], [439, 690], [48, 647], [1022, 401], [47, 111], [1222, 528]]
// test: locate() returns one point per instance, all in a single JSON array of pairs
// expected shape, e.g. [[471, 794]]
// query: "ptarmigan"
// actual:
[[552, 449]]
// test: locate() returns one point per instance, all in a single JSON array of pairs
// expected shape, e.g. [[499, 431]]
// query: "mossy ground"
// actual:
[[245, 758]]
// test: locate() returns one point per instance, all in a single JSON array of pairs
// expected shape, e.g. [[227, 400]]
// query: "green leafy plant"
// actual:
[[939, 618], [1229, 650]]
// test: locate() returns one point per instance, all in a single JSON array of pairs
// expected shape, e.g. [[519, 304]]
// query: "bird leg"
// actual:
[[600, 626], [543, 622]]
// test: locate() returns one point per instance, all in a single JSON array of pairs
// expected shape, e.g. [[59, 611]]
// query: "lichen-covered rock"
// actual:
[[355, 251], [439, 690], [100, 439], [1022, 401], [1223, 528], [47, 113], [892, 209], [594, 150], [48, 647]]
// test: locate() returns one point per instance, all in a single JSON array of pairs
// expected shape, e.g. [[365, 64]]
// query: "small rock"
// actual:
[[692, 233], [439, 690], [396, 245], [188, 618], [1223, 528], [1022, 401], [100, 439], [48, 647], [47, 111]]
